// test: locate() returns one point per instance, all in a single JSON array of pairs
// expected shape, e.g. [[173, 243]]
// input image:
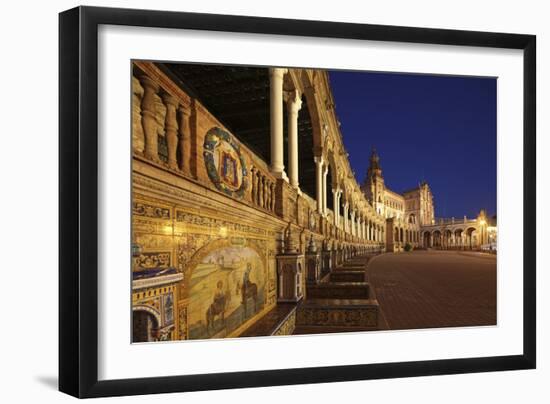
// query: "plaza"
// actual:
[[427, 289]]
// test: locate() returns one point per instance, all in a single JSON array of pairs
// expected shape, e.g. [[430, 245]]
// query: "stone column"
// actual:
[[148, 120], [350, 220], [370, 232], [353, 223], [294, 104], [185, 138], [339, 207], [338, 216], [346, 207], [325, 172], [335, 206], [276, 119], [319, 182], [171, 127]]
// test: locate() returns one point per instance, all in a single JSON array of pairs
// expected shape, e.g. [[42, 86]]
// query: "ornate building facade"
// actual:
[[410, 217], [244, 204]]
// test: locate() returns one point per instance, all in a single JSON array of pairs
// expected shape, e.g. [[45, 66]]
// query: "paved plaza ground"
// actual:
[[426, 289]]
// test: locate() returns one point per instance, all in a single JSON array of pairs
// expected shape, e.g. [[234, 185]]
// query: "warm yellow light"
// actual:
[[483, 222], [223, 231]]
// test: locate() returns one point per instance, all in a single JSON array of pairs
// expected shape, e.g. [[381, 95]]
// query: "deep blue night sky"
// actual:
[[438, 128]]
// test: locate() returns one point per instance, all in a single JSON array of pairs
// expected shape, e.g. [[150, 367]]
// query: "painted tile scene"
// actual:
[[285, 201]]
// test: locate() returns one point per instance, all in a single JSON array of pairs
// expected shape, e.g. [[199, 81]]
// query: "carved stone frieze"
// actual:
[[147, 210], [204, 221]]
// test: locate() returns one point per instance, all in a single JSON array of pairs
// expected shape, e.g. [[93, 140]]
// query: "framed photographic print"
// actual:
[[250, 201]]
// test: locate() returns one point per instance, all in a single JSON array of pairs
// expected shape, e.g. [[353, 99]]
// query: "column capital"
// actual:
[[277, 72], [318, 159], [294, 101]]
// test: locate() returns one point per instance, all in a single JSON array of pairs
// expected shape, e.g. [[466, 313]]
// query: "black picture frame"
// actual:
[[78, 196]]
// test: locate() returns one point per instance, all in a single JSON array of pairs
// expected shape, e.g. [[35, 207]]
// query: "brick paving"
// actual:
[[426, 289]]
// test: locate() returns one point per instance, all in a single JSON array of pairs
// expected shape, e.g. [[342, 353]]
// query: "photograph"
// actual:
[[283, 201]]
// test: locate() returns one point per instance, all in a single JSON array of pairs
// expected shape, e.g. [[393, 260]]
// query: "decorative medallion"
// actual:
[[224, 162]]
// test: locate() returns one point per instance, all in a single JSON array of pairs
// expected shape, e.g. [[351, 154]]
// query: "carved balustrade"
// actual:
[[164, 134], [262, 189]]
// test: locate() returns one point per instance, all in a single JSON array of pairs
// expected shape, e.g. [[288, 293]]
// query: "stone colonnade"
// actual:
[[354, 222]]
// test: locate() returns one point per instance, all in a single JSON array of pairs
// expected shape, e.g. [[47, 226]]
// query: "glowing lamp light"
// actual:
[[223, 232]]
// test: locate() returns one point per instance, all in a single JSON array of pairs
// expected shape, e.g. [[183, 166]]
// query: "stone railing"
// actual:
[[167, 131], [262, 189], [438, 221]]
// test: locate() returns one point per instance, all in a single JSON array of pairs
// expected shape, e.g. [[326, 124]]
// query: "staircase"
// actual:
[[342, 301]]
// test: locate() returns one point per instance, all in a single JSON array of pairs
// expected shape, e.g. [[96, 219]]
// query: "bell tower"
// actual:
[[374, 187]]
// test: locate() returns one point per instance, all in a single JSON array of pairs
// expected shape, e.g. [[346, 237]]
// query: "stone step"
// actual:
[[347, 276], [342, 314], [341, 290], [355, 262], [350, 268]]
